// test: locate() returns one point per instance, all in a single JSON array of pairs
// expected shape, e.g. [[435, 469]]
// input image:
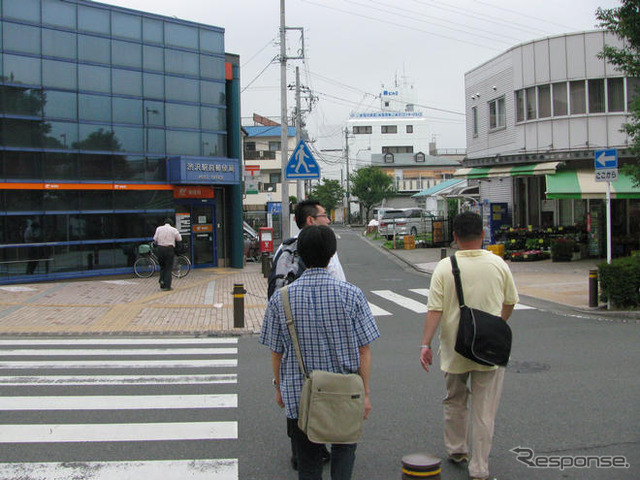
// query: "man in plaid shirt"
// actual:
[[335, 327]]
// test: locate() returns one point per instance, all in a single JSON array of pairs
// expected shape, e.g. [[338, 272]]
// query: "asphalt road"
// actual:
[[571, 390]]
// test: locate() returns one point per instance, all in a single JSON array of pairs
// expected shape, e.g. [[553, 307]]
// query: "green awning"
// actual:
[[508, 170], [582, 184]]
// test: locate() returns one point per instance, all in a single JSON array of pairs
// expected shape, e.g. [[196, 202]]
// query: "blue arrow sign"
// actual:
[[302, 165], [606, 158]]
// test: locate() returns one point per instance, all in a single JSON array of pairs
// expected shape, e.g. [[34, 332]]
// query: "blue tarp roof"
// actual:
[[262, 131], [439, 187]]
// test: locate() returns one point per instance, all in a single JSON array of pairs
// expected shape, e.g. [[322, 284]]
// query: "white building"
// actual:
[[536, 114]]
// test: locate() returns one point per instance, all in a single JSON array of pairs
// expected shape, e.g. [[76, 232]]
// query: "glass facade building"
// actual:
[[110, 121]]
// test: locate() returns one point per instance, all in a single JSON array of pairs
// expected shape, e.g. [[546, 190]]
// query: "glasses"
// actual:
[[320, 215]]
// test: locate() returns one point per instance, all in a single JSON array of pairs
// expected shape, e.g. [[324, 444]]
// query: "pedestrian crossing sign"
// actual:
[[302, 165]]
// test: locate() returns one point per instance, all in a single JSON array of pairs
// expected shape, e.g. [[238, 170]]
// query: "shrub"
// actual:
[[620, 281], [562, 249]]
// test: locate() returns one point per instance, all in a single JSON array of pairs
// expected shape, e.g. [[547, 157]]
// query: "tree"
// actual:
[[329, 193], [624, 22], [371, 185]]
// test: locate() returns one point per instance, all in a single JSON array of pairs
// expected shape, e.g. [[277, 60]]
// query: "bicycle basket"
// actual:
[[144, 249]]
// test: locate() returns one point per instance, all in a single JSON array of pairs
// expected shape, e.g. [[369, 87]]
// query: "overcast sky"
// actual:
[[353, 47]]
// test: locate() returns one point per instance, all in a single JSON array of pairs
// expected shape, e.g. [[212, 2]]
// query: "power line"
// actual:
[[260, 74]]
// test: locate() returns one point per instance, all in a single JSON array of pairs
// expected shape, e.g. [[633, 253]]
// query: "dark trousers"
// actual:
[[310, 456], [165, 258]]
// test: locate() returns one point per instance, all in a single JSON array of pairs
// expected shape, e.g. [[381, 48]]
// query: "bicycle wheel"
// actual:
[[181, 266], [144, 267]]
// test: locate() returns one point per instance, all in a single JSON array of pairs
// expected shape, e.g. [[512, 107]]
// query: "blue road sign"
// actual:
[[606, 158], [302, 165]]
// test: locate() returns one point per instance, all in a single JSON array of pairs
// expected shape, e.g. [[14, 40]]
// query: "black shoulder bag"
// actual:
[[482, 337]]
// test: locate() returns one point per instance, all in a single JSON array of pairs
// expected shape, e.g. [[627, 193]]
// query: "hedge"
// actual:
[[620, 282]]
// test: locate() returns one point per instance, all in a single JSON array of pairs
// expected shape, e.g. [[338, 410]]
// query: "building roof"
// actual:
[[263, 131], [409, 160], [439, 187]]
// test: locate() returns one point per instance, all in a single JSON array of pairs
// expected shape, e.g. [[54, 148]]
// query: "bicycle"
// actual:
[[148, 263]]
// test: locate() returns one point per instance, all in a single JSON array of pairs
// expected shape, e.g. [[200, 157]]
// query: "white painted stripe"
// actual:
[[121, 341], [377, 311], [121, 364], [119, 282], [520, 306], [119, 379], [209, 293], [222, 469], [401, 300], [18, 289], [119, 432], [420, 291], [100, 352], [118, 402]]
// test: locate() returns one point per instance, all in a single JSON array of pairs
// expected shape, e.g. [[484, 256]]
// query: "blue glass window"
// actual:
[[181, 89], [59, 74], [62, 135], [126, 54], [212, 93], [59, 44], [94, 49], [22, 165], [95, 108], [153, 58], [127, 110], [155, 139], [58, 13], [154, 113], [152, 30], [21, 100], [183, 143], [126, 82], [97, 138], [59, 166], [185, 116], [181, 36], [21, 38], [96, 167], [212, 67], [95, 79], [61, 105], [211, 41], [22, 133], [61, 200], [153, 86], [22, 9], [182, 63], [214, 118], [22, 69], [130, 138], [215, 145], [126, 26], [93, 19]]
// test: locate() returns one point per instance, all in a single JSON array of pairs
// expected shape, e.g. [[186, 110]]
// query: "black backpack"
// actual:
[[286, 267]]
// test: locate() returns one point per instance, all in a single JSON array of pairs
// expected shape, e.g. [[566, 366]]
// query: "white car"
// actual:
[[405, 221]]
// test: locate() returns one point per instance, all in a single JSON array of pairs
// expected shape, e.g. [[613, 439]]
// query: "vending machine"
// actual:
[[494, 216]]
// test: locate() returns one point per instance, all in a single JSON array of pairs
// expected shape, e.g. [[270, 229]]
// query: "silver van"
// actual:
[[405, 221]]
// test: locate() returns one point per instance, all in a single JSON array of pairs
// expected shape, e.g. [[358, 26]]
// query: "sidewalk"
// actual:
[[202, 302]]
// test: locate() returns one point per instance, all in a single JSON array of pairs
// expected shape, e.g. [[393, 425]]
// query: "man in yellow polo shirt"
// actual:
[[488, 285]]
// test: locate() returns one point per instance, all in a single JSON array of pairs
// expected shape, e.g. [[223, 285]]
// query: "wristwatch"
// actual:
[[275, 384]]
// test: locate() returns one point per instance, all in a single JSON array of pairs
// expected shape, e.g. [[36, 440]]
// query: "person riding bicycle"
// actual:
[[165, 237]]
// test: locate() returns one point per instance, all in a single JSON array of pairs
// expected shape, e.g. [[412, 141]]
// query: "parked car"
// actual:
[[405, 221]]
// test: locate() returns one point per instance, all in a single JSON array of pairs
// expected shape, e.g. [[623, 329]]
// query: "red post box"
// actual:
[[265, 235]]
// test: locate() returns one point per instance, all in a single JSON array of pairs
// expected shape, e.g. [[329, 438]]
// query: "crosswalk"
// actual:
[[70, 406], [416, 303]]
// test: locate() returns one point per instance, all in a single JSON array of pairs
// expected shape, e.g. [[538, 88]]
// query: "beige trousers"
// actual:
[[485, 389]]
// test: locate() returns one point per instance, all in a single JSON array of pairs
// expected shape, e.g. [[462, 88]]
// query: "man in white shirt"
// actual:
[[165, 237]]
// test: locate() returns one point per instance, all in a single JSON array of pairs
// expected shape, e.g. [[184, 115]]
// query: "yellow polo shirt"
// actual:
[[487, 283]]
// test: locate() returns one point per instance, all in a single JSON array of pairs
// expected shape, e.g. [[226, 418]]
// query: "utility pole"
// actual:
[[300, 183], [284, 150], [346, 142]]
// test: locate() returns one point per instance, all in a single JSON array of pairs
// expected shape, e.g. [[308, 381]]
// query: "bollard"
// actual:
[[443, 253], [266, 264], [238, 305], [593, 288], [421, 465]]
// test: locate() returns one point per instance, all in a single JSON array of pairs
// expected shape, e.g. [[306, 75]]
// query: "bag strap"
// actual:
[[456, 278], [284, 292]]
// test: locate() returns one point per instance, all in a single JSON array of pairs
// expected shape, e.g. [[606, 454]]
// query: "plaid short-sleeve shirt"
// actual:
[[332, 319]]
